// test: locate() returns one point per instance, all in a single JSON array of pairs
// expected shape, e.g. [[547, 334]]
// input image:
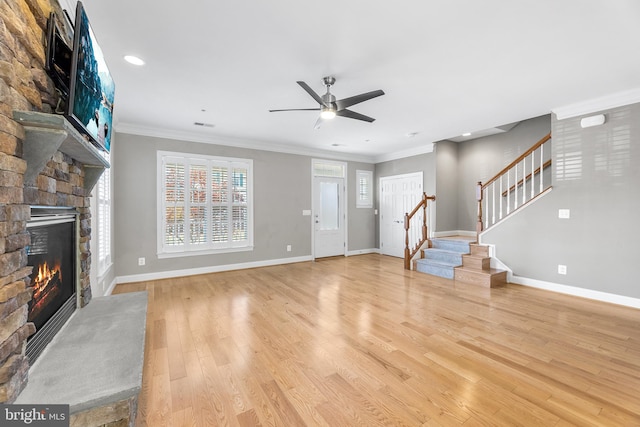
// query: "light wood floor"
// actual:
[[360, 341]]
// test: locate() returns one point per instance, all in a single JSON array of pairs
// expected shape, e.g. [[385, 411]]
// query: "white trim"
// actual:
[[367, 175], [111, 287], [424, 149], [188, 160], [598, 104], [579, 292], [344, 204], [206, 270], [227, 141], [363, 252]]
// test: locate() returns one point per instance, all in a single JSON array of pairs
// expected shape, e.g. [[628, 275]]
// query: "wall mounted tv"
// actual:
[[83, 79]]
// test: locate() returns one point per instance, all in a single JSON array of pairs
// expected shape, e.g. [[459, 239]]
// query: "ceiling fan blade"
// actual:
[[295, 109], [353, 100], [312, 93], [353, 115]]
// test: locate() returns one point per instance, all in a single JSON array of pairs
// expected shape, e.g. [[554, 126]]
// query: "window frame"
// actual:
[[366, 202], [103, 221], [188, 160]]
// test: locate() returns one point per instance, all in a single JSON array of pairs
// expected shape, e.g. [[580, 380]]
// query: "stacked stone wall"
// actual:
[[25, 85]]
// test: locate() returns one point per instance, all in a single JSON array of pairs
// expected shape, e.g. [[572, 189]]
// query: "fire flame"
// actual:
[[45, 274]]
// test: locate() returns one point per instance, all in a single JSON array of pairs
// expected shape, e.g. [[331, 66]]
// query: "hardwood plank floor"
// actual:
[[359, 341]]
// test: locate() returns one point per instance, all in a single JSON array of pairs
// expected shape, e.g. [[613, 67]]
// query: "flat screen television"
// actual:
[[91, 88]]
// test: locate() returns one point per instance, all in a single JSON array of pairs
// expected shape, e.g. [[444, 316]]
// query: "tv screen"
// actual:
[[90, 103]]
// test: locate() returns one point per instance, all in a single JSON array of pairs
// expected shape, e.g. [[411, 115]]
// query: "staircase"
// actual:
[[476, 269], [461, 260]]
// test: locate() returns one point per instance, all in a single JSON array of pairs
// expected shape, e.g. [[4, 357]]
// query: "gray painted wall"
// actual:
[[425, 163], [596, 176], [446, 186], [282, 190], [361, 222], [480, 159]]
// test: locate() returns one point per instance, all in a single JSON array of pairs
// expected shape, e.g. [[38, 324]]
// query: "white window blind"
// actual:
[[205, 204], [364, 187], [103, 221]]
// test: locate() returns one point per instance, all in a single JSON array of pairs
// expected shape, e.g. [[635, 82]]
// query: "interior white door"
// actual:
[[329, 230], [398, 195]]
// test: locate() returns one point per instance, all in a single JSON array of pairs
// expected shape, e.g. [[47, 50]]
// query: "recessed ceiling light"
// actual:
[[133, 60], [466, 134]]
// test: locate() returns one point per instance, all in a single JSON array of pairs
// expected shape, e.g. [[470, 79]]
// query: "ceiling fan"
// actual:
[[330, 107]]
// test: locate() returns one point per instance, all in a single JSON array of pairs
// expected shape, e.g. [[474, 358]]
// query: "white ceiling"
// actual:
[[446, 66]]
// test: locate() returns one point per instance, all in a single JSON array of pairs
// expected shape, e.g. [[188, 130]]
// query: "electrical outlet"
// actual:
[[562, 269], [564, 213], [288, 248], [141, 261]]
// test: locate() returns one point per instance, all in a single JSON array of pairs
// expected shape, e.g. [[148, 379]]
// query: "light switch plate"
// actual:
[[564, 213]]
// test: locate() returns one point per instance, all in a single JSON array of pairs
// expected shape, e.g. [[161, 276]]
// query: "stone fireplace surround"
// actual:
[[39, 168], [59, 180]]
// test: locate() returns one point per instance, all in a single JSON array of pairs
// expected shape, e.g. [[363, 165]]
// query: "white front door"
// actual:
[[328, 216], [398, 195]]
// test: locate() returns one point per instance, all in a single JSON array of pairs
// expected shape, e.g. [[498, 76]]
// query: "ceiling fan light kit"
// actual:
[[329, 107]]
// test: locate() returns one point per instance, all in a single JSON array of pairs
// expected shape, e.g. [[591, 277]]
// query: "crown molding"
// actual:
[[237, 142], [607, 102], [423, 149]]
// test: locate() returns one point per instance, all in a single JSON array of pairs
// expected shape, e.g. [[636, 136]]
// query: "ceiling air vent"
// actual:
[[206, 125]]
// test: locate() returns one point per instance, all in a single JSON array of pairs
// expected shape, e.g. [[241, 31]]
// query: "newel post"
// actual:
[[407, 251], [479, 227]]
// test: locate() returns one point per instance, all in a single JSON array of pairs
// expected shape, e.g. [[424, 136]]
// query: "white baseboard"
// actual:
[[579, 292], [449, 233], [111, 287], [363, 252], [205, 270]]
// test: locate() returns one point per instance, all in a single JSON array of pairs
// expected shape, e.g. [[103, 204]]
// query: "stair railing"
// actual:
[[415, 229], [514, 186]]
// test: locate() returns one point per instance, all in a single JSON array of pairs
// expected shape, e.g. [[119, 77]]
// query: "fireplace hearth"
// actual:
[[52, 254]]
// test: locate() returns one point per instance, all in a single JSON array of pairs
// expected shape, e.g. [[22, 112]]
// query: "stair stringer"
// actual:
[[495, 261]]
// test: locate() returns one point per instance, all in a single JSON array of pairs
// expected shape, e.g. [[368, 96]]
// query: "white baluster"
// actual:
[[524, 181], [541, 166], [515, 188], [486, 208], [508, 191], [500, 216], [493, 203], [533, 168]]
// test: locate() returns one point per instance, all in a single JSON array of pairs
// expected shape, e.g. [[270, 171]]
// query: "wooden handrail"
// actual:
[[410, 252], [518, 160], [480, 187], [527, 178]]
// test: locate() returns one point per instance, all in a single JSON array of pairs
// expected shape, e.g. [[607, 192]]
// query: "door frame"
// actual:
[[345, 204]]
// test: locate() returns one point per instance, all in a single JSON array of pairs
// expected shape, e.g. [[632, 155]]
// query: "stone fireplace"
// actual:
[[52, 254], [42, 163]]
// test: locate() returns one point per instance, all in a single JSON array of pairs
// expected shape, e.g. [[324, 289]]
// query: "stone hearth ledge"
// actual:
[[95, 360]]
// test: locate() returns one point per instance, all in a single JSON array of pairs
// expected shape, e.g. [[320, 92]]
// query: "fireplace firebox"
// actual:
[[52, 254]]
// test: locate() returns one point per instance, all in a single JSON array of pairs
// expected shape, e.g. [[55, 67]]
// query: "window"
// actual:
[[364, 187], [103, 221], [205, 204]]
